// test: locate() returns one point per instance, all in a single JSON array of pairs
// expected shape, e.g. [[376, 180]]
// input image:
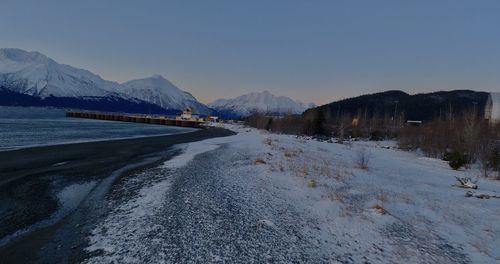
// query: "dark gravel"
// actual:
[[30, 178]]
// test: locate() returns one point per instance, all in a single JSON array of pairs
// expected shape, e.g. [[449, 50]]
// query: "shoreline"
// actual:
[[31, 178], [93, 140]]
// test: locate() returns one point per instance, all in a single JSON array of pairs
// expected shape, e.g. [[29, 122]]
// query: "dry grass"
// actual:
[[305, 170], [379, 209], [481, 248], [259, 161], [292, 153], [276, 167], [281, 168], [312, 184], [341, 172]]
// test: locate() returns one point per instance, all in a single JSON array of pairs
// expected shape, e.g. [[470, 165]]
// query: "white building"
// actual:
[[492, 108], [187, 115]]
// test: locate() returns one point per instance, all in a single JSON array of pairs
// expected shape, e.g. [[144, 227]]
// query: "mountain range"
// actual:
[[33, 79], [263, 102]]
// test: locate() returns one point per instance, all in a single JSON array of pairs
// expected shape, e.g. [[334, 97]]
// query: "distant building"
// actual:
[[414, 122], [492, 108], [187, 115], [212, 118]]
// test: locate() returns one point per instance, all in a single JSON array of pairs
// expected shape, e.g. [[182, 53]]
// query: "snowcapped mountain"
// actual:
[[259, 102], [36, 75], [160, 91]]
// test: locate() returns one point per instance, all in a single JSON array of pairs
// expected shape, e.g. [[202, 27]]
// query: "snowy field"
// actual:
[[260, 197]]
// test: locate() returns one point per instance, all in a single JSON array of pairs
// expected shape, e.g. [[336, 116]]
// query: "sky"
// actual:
[[314, 51]]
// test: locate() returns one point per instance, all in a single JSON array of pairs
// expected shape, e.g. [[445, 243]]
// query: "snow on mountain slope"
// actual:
[[160, 91], [259, 102], [35, 74]]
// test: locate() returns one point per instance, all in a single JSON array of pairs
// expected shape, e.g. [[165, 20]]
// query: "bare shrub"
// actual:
[[497, 177], [259, 121], [267, 141], [289, 124], [381, 197], [472, 137], [363, 158], [305, 170]]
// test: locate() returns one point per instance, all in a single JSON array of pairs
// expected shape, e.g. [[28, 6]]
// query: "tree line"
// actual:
[[461, 138]]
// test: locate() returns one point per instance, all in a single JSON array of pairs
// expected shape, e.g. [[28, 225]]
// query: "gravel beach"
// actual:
[[38, 223]]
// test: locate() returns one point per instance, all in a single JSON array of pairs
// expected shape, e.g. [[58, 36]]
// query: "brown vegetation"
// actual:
[[379, 209], [259, 161], [312, 184], [343, 126], [462, 140]]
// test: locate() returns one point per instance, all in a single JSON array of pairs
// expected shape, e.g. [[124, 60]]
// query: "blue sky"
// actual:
[[315, 50]]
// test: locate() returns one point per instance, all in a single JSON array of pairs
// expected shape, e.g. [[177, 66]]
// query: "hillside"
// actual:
[[424, 106]]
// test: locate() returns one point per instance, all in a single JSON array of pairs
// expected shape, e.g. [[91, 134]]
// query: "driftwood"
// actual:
[[465, 182], [481, 195]]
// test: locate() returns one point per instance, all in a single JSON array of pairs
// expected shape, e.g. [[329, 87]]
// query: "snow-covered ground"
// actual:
[[260, 197]]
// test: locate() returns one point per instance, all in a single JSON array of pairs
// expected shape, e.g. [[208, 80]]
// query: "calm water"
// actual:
[[33, 126]]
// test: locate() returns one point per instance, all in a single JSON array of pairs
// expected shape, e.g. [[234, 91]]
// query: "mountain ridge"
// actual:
[[264, 102], [421, 106], [35, 74]]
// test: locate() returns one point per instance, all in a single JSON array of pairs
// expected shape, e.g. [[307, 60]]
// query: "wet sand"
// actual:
[[29, 179]]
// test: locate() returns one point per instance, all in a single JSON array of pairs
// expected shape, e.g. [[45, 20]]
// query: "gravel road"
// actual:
[[208, 213]]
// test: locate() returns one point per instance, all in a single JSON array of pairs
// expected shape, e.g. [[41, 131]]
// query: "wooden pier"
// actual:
[[135, 119]]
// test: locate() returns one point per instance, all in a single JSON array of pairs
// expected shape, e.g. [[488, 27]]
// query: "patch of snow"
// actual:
[[60, 163], [190, 150], [128, 223], [71, 196]]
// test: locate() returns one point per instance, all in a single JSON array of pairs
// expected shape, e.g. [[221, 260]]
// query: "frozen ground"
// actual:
[[259, 197]]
